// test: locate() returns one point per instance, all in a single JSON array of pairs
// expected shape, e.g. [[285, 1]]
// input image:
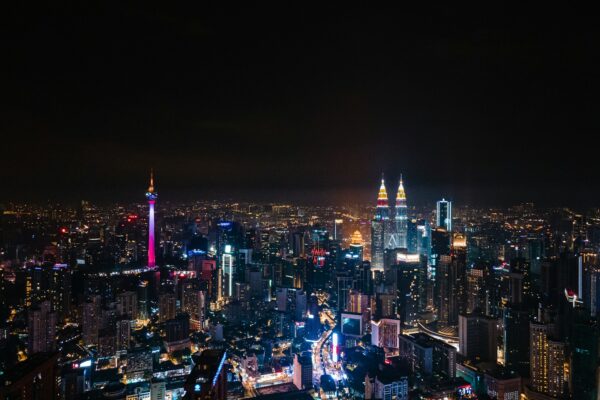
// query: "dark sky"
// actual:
[[485, 105]]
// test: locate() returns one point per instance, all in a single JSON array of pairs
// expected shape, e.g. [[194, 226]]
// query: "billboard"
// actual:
[[352, 324]]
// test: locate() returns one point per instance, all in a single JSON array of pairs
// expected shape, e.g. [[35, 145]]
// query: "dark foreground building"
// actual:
[[207, 381], [32, 379]]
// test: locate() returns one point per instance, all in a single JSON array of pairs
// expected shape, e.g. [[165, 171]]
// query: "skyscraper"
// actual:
[[400, 219], [208, 378], [127, 304], [303, 371], [444, 215], [167, 306], [516, 338], [547, 360], [91, 320], [477, 337], [151, 195], [41, 329], [382, 215], [228, 270]]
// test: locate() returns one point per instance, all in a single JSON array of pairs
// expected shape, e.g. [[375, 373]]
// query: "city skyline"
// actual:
[[355, 203]]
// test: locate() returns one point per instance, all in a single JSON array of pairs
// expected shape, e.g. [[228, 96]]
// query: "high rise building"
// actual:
[[91, 320], [127, 304], [501, 383], [194, 303], [428, 356], [35, 378], [158, 389], [440, 246], [409, 276], [60, 290], [303, 371], [208, 379], [123, 331], [585, 365], [478, 337], [385, 333], [228, 270], [451, 286], [475, 289], [151, 195], [399, 237], [142, 295], [387, 384], [547, 360], [167, 306], [355, 251], [538, 341], [378, 225], [444, 215], [178, 328], [357, 302], [516, 339], [300, 305], [41, 329], [364, 278], [345, 283], [385, 305]]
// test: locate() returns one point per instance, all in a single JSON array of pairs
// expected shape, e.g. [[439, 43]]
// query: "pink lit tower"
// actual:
[[151, 195]]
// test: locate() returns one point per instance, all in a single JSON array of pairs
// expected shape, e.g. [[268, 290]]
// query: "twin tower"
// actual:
[[389, 227]]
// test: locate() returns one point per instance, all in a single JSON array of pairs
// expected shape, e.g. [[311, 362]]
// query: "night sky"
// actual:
[[483, 105]]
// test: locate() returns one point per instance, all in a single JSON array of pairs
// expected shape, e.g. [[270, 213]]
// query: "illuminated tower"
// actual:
[[444, 215], [401, 217], [383, 207], [378, 225], [151, 195]]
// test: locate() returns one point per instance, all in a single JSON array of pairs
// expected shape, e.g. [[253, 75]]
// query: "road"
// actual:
[[451, 340]]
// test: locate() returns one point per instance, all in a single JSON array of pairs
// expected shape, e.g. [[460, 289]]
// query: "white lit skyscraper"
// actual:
[[444, 215], [227, 265], [378, 224], [401, 218]]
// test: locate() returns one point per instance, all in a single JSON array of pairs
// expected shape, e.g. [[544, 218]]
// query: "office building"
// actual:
[[547, 360], [41, 329], [478, 337], [378, 225], [428, 356], [303, 371], [385, 333], [127, 304], [208, 379], [167, 306], [444, 215], [387, 384], [91, 320], [33, 379], [123, 334], [398, 235]]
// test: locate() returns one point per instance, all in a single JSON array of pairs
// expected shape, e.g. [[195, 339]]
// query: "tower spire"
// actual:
[[151, 187], [401, 195], [382, 197]]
